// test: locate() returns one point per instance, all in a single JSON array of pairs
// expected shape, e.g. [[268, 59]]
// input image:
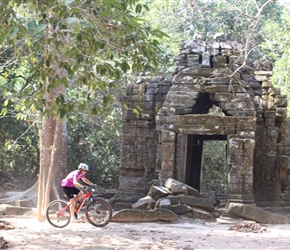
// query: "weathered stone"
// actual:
[[261, 78], [174, 200], [180, 209], [3, 207], [178, 189], [207, 98], [144, 203], [16, 210], [157, 192], [163, 203], [128, 215], [22, 203], [204, 203], [281, 101], [210, 195], [189, 190], [202, 214], [256, 214], [192, 191]]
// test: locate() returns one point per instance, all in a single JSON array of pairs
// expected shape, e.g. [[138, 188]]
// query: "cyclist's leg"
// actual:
[[78, 195], [70, 193]]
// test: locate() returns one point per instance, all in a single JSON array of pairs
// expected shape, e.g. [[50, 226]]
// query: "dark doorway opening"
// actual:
[[195, 157]]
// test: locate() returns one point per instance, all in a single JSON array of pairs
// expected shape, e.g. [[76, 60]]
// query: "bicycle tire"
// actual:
[[53, 215], [99, 212]]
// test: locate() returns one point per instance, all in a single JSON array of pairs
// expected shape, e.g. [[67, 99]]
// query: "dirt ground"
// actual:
[[184, 234]]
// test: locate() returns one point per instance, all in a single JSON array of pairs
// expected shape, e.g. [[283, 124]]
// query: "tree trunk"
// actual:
[[53, 157], [53, 146], [53, 163]]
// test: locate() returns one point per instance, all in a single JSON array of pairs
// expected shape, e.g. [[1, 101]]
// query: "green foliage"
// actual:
[[18, 147], [277, 46], [73, 44], [239, 20], [91, 47], [95, 140], [214, 169], [82, 48]]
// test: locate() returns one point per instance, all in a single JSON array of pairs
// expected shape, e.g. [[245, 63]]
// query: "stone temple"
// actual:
[[213, 94]]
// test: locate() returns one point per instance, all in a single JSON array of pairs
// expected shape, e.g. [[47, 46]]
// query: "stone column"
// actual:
[[181, 156], [266, 181], [168, 155], [240, 162]]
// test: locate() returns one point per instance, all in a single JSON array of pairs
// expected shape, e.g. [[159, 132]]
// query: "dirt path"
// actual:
[[30, 234]]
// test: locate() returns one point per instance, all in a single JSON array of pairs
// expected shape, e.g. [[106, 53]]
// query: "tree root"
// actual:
[[30, 195]]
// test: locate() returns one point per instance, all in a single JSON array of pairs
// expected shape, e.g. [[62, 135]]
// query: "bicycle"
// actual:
[[98, 211]]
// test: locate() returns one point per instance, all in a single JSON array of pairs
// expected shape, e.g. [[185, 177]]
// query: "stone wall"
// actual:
[[209, 95]]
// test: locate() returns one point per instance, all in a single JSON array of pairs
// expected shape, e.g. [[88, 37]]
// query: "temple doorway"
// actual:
[[206, 165]]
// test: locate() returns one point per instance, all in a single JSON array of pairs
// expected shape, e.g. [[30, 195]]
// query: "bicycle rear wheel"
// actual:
[[99, 212], [58, 213]]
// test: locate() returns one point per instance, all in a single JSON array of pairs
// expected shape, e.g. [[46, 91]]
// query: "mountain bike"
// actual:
[[98, 211]]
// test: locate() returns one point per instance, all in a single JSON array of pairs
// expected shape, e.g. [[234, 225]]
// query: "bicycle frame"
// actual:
[[85, 197]]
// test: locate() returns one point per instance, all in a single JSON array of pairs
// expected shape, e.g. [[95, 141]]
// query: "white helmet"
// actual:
[[83, 166]]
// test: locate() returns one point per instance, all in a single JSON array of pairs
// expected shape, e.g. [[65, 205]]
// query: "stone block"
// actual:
[[178, 189], [261, 78], [3, 207], [16, 210], [168, 136], [157, 192], [249, 143], [210, 195], [174, 200], [138, 89], [202, 214], [163, 89], [180, 209], [168, 150], [136, 98], [163, 203], [224, 97], [170, 182], [22, 203], [192, 191], [204, 203], [263, 73], [144, 203], [281, 101], [130, 215], [256, 214], [266, 84], [281, 112], [223, 88], [147, 98]]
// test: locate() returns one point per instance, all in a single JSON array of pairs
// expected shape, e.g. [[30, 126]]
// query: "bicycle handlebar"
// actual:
[[92, 189]]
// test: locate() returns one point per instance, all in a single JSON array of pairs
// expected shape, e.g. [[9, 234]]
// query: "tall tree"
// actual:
[[277, 46], [239, 20], [71, 47]]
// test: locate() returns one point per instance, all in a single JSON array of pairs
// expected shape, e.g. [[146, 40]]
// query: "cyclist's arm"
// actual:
[[84, 179], [76, 184]]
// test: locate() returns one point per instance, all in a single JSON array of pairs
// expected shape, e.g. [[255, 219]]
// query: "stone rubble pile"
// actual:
[[167, 203], [179, 198]]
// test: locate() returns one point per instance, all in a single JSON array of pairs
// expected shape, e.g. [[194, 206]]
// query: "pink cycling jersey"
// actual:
[[68, 181]]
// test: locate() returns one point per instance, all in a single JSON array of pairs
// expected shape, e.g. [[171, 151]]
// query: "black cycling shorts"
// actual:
[[70, 191]]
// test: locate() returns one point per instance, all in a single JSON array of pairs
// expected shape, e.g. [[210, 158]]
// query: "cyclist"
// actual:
[[71, 186]]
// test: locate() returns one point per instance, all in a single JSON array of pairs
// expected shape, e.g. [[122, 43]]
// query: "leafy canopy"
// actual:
[[83, 46]]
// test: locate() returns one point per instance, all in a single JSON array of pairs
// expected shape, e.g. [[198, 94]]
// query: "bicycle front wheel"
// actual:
[[99, 212], [58, 213]]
